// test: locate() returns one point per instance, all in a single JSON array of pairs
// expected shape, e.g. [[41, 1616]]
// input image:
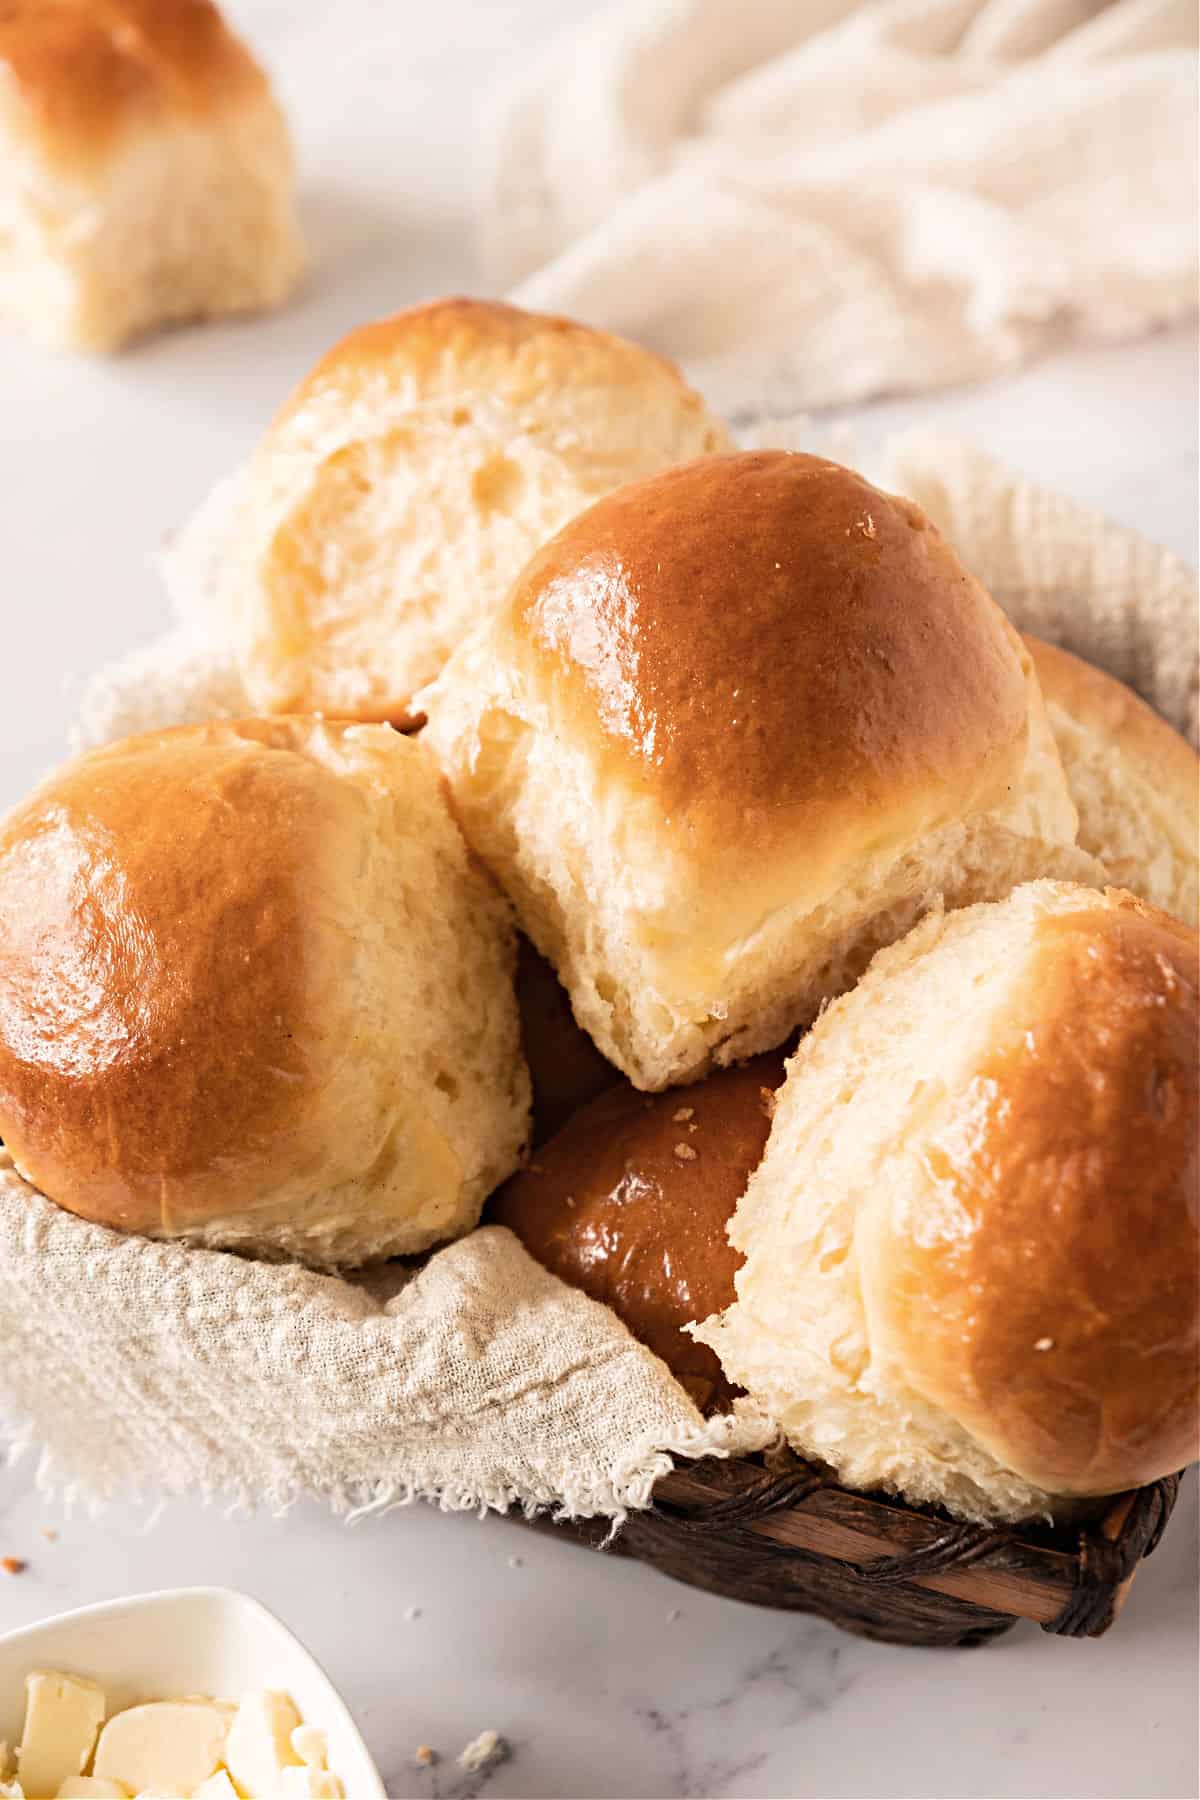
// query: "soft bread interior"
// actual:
[[1144, 830], [397, 495], [187, 219], [309, 1045], [368, 569], [850, 1123], [670, 973], [971, 1244], [427, 1110]]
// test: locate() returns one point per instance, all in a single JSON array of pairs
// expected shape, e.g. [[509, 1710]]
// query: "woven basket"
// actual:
[[780, 1532]]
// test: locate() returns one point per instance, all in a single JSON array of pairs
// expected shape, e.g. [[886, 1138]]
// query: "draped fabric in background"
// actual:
[[815, 201]]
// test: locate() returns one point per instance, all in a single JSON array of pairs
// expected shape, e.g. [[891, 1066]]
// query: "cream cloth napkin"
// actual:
[[480, 1380], [812, 201]]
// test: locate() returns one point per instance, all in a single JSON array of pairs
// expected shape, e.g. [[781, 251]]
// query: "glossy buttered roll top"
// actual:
[[254, 992], [631, 1202], [730, 721], [972, 1245], [734, 627], [1047, 1296]]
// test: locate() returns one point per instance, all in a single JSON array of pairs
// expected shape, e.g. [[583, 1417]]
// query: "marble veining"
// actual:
[[717, 1747]]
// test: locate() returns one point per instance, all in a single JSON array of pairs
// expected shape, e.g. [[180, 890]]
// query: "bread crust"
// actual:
[[565, 1067], [87, 73], [450, 345], [631, 1200], [1116, 714], [772, 651], [1047, 1300], [1135, 781], [972, 1242], [401, 487], [211, 945]]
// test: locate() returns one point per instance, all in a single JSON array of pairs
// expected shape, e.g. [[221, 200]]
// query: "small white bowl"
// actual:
[[186, 1641]]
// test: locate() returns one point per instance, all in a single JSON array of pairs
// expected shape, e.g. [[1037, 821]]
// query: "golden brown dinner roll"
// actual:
[[736, 726], [565, 1067], [255, 993], [402, 486], [145, 170], [971, 1247], [1134, 781], [631, 1202]]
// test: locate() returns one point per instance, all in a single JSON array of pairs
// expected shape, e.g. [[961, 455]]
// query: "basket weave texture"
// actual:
[[780, 1532]]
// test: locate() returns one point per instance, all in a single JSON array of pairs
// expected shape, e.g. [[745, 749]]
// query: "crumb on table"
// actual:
[[488, 1748]]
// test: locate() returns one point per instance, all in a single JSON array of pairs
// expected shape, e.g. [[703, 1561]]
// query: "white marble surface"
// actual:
[[607, 1679], [610, 1680]]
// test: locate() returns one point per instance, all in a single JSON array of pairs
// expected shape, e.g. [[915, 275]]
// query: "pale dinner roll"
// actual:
[[254, 993], [1134, 781], [631, 1202], [145, 170], [971, 1247], [403, 485], [735, 727]]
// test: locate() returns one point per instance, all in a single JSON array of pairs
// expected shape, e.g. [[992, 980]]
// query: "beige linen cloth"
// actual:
[[479, 1380], [813, 201]]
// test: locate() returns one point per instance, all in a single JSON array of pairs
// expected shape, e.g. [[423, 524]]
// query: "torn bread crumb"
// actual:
[[483, 1752]]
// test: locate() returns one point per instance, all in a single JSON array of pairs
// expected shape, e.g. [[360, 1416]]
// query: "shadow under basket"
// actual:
[[780, 1532]]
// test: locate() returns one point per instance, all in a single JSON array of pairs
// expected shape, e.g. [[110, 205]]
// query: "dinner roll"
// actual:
[[145, 170], [971, 1247], [632, 1200], [565, 1067], [403, 485], [735, 727], [1134, 781], [254, 993]]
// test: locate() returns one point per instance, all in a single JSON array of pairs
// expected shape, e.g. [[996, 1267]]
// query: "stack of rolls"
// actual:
[[858, 972]]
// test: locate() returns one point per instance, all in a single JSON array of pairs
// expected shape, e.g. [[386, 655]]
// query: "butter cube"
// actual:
[[62, 1717], [217, 1787], [311, 1746], [259, 1747], [309, 1783], [165, 1746], [92, 1787]]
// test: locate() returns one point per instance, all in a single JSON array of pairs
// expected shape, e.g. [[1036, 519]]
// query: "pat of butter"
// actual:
[[311, 1746], [217, 1787], [309, 1783], [259, 1747], [62, 1717], [92, 1787], [165, 1746]]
